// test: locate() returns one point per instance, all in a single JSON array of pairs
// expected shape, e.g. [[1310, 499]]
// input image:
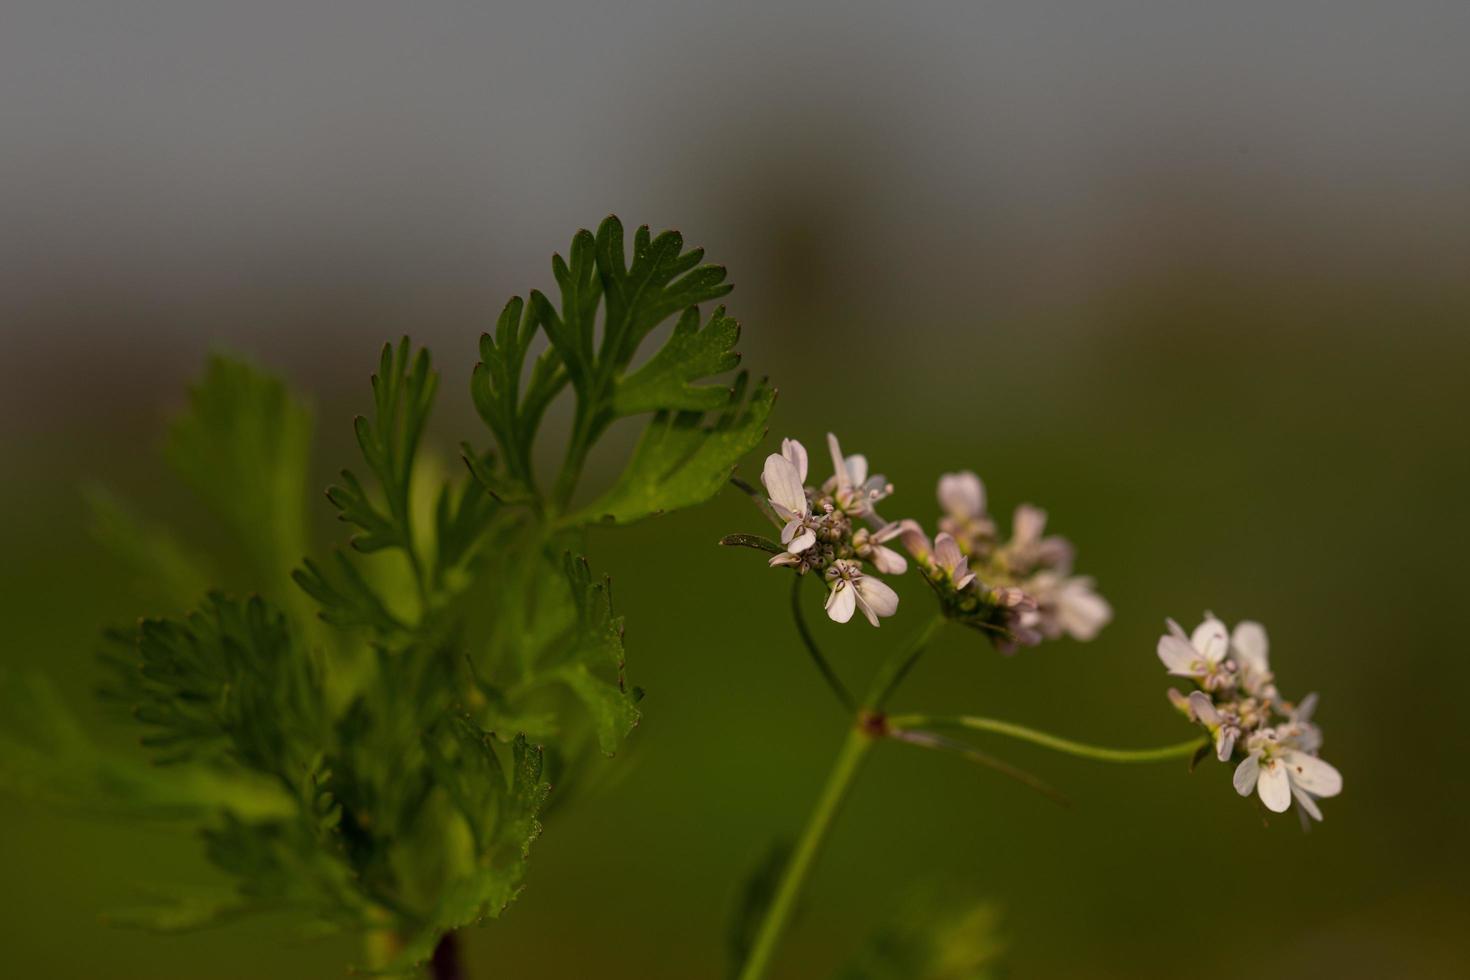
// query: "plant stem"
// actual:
[[833, 681], [793, 879], [896, 668], [1179, 750], [446, 963]]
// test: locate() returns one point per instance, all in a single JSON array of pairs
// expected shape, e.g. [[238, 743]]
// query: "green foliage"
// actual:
[[755, 897], [661, 280], [373, 748], [244, 446]]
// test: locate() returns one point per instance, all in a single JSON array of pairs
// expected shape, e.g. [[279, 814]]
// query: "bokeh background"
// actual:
[[1194, 277]]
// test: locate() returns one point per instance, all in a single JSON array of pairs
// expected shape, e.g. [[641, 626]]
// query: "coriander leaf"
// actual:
[[594, 668], [933, 937], [684, 458], [229, 682], [506, 823], [164, 568], [666, 381]]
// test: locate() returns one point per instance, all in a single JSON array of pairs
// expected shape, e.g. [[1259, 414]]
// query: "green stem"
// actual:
[[896, 668], [1180, 750], [778, 916]]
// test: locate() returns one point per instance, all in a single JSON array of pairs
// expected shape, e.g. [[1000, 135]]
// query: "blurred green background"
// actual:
[[1193, 280]]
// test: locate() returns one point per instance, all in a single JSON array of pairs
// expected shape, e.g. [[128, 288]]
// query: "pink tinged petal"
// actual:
[[1307, 801], [1211, 640], [947, 553], [1083, 613], [857, 469], [888, 561], [1175, 630], [888, 532], [802, 541], [1250, 645], [784, 485], [962, 575], [1028, 524], [1274, 786], [796, 453], [1312, 774], [1175, 698], [1202, 709], [1247, 773], [916, 541], [784, 558], [1177, 655], [841, 602], [839, 465], [961, 494], [1224, 743]]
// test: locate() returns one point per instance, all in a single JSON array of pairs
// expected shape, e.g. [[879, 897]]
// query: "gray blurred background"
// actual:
[[1192, 276]]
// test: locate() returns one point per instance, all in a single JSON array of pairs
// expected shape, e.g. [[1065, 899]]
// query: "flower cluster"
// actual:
[[1236, 700], [833, 530], [1021, 591]]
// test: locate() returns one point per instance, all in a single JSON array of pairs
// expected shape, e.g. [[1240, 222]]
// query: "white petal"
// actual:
[[962, 575], [890, 531], [839, 465], [1305, 708], [1274, 787], [888, 561], [784, 558], [876, 594], [1203, 708], [795, 452], [1177, 655], [1247, 773], [1027, 525], [1082, 612], [1312, 774], [961, 494], [802, 541], [857, 469], [1211, 639], [1308, 802], [841, 602], [784, 484], [1250, 646]]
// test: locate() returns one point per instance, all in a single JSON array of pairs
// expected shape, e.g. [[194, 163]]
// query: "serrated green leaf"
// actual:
[[594, 671], [229, 681], [692, 354], [683, 458]]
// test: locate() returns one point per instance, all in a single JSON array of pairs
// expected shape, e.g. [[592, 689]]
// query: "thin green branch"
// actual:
[[1180, 750], [849, 703]]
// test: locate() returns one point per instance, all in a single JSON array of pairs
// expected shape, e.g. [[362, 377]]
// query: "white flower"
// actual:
[[1278, 773], [1201, 656], [962, 498], [870, 546], [1068, 605], [851, 589], [1249, 648], [784, 477], [1224, 727], [852, 490], [1027, 548]]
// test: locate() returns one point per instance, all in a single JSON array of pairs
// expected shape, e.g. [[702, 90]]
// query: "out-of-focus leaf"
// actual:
[[244, 446], [757, 892], [163, 568], [933, 936]]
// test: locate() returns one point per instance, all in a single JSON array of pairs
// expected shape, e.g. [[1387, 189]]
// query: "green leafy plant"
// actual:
[[369, 738]]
